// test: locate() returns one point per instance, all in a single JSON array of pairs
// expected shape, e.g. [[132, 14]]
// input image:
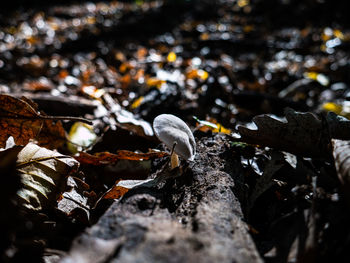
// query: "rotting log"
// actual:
[[196, 217]]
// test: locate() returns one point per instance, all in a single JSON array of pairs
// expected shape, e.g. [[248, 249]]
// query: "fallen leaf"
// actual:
[[74, 200], [123, 186], [80, 136], [212, 125], [341, 154], [43, 174], [104, 158], [302, 133], [265, 181], [126, 119], [52, 135], [18, 119]]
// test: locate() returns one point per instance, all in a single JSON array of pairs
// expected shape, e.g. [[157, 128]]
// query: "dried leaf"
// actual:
[[74, 200], [104, 158], [127, 120], [123, 186], [303, 133], [212, 125], [43, 173], [341, 154], [265, 181], [18, 119], [52, 135], [80, 136], [339, 127]]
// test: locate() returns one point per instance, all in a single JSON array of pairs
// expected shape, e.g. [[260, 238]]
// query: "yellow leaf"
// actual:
[[330, 106], [204, 36], [80, 135], [337, 33], [202, 74], [154, 82], [320, 78], [212, 125], [248, 28], [171, 57], [137, 102], [93, 92], [243, 3], [194, 73]]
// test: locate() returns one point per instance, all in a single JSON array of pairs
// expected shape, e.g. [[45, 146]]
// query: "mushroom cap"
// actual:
[[170, 129]]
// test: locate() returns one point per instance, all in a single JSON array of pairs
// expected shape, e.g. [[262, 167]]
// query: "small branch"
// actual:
[[42, 117], [68, 118]]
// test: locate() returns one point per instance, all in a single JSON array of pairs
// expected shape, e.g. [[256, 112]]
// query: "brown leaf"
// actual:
[[20, 119], [123, 186], [104, 158], [52, 135], [43, 84], [115, 192], [17, 119], [303, 133]]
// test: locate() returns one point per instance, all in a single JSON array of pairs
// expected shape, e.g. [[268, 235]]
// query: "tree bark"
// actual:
[[195, 217]]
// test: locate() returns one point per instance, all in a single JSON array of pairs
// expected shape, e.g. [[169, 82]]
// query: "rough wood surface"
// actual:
[[196, 217]]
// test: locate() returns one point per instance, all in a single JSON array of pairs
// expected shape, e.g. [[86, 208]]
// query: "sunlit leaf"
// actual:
[[92, 91], [123, 186], [211, 125], [339, 34], [171, 57], [137, 102], [197, 73], [340, 109], [331, 106], [320, 78], [43, 172], [154, 82], [80, 136], [43, 84], [243, 3], [125, 81]]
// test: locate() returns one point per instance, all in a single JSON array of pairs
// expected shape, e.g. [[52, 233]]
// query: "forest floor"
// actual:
[[272, 188]]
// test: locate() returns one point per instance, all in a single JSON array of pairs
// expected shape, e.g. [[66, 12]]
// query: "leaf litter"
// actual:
[[220, 62]]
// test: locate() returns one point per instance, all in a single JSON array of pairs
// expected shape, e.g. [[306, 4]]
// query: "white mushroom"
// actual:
[[176, 135]]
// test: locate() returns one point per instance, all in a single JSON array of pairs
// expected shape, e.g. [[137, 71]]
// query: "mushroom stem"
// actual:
[[174, 161], [174, 158]]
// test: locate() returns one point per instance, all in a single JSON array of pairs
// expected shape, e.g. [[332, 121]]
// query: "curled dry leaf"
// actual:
[[73, 202], [104, 158], [303, 133], [126, 119], [341, 154], [43, 172]]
